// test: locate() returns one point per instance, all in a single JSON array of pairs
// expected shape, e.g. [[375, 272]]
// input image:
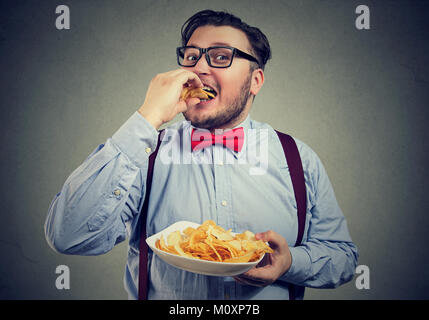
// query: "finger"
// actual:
[[275, 240], [253, 281], [266, 236], [192, 101], [261, 273], [260, 277], [240, 280], [189, 77], [182, 107], [250, 282]]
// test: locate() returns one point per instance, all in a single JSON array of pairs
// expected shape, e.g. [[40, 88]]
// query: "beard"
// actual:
[[231, 112]]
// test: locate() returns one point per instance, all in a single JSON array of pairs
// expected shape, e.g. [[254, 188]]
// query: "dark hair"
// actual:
[[258, 41]]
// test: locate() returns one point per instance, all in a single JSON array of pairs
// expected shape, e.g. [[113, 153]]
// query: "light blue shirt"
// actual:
[[100, 203]]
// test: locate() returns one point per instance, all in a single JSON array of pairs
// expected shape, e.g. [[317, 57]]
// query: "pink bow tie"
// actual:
[[232, 139]]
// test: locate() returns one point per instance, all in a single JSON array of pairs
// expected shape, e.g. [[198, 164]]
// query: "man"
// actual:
[[100, 202]]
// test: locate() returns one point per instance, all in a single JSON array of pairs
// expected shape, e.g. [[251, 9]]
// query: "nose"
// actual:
[[202, 67]]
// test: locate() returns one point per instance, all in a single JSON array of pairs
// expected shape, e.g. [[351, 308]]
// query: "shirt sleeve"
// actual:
[[327, 257], [88, 215]]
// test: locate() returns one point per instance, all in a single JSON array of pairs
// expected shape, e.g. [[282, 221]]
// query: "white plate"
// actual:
[[211, 268]]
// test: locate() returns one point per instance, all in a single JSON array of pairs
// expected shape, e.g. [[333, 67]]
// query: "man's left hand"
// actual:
[[272, 265]]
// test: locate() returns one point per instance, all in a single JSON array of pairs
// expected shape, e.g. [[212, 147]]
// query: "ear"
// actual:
[[257, 81]]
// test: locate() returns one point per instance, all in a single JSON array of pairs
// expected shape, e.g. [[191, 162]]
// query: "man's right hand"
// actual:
[[162, 102]]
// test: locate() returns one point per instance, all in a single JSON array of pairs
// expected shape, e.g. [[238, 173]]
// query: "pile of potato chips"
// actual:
[[213, 243]]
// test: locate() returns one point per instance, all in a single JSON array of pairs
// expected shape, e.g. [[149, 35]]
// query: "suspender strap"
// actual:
[[298, 181], [143, 247]]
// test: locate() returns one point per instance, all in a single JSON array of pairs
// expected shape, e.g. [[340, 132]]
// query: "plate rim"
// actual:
[[172, 226]]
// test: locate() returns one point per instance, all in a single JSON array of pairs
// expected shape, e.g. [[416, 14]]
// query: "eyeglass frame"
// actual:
[[235, 52]]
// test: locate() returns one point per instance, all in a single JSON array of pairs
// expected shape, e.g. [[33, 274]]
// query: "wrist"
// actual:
[[152, 119]]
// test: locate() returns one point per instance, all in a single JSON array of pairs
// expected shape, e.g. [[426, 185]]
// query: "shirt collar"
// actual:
[[246, 124]]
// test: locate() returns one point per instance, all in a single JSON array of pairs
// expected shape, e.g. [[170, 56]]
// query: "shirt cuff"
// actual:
[[137, 138], [300, 268]]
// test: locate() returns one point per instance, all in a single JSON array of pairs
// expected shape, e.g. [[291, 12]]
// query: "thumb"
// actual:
[[192, 101], [181, 106], [265, 236], [184, 105], [275, 240]]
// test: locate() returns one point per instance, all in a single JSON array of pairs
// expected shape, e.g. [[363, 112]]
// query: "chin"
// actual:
[[200, 119], [199, 122]]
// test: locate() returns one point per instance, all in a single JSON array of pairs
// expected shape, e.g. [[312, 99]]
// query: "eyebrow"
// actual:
[[213, 44], [222, 44], [219, 44]]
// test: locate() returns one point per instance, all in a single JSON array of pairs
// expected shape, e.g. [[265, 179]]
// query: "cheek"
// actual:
[[230, 80], [231, 85], [236, 76]]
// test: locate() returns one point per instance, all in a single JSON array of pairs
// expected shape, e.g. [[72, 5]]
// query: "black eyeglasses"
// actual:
[[217, 57]]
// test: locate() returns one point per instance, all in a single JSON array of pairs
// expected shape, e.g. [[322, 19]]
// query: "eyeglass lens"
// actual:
[[219, 57]]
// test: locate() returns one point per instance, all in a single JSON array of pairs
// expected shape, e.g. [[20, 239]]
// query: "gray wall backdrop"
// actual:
[[358, 98]]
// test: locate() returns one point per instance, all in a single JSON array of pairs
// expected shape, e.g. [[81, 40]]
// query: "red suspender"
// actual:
[[298, 181]]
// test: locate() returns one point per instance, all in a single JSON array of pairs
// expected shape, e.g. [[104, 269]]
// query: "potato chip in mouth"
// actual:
[[205, 93]]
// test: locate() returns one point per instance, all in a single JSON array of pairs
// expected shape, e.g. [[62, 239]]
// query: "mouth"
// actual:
[[211, 93]]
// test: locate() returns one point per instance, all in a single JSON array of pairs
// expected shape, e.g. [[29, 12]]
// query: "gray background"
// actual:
[[358, 98]]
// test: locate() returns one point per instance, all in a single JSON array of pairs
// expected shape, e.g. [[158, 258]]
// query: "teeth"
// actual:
[[205, 88], [210, 93]]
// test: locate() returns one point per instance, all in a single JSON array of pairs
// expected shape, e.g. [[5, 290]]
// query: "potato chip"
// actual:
[[236, 244], [244, 258], [174, 238], [189, 92], [188, 231], [213, 243]]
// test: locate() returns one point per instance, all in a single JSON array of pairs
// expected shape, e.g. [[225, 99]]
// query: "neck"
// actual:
[[230, 124], [234, 122]]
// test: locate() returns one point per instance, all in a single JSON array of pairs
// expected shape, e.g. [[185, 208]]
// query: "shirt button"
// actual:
[[148, 150], [224, 203], [117, 192], [221, 163]]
